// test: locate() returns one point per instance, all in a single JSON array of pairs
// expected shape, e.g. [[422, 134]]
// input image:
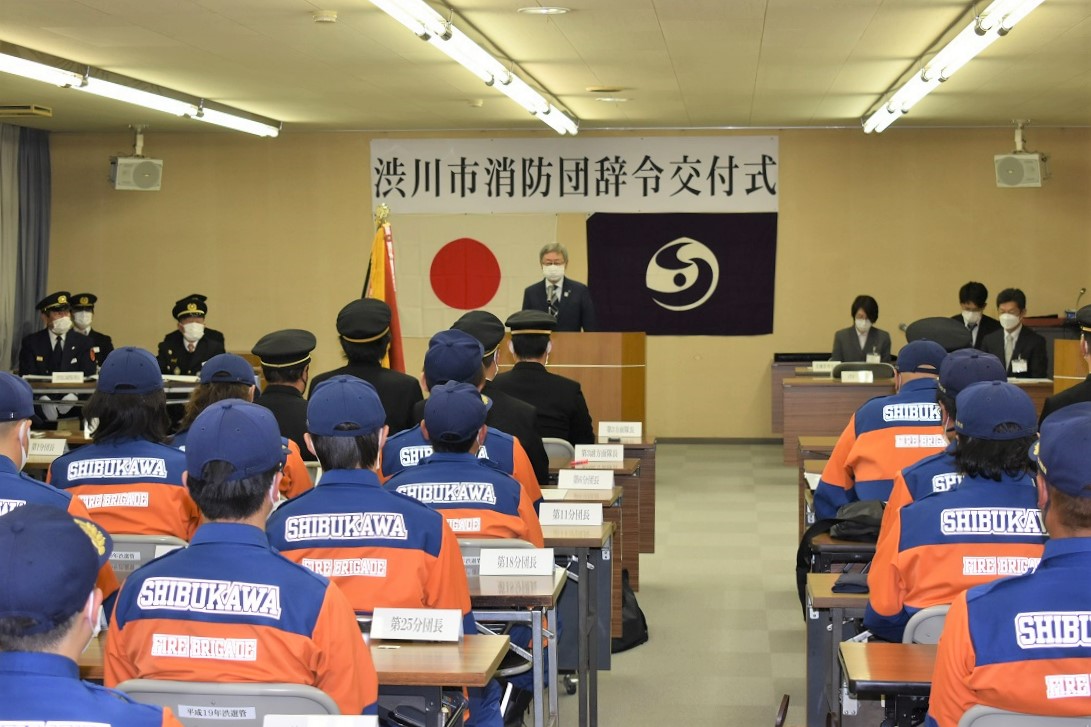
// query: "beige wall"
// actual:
[[276, 232]]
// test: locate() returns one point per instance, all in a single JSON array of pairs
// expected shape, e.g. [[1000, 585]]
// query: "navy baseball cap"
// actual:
[[984, 406], [50, 564], [345, 400], [242, 434], [454, 412], [227, 368], [920, 357], [968, 366], [130, 370], [16, 398], [1061, 451], [452, 356]]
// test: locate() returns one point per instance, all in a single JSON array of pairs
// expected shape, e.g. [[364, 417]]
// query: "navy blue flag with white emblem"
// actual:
[[683, 274]]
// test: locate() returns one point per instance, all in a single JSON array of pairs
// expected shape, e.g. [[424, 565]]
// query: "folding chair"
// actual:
[[132, 551], [926, 625], [202, 704], [982, 716]]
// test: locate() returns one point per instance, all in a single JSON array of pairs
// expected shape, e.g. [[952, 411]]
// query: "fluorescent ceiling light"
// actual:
[[983, 31], [95, 81], [544, 10], [429, 25]]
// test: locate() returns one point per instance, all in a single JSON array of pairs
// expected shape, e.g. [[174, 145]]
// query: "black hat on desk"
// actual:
[[192, 305], [55, 301], [364, 321], [483, 326], [950, 333], [83, 301], [285, 349], [531, 322]]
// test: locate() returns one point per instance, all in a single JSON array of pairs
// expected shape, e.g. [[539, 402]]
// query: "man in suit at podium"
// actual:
[[1081, 391], [563, 298], [973, 297], [1022, 350]]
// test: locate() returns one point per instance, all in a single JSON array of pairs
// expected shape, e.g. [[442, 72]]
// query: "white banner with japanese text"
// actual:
[[584, 174]]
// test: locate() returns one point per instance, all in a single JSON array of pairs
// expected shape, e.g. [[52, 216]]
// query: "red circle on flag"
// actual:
[[465, 274]]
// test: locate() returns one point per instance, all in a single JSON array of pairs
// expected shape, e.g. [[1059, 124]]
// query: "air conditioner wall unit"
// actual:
[[1020, 169], [136, 173]]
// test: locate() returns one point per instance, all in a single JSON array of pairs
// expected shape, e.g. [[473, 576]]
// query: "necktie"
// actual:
[[1009, 347], [58, 354], [552, 299]]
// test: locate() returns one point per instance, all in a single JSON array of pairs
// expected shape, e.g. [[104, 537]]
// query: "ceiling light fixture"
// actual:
[[14, 60], [995, 22], [427, 24], [544, 10]]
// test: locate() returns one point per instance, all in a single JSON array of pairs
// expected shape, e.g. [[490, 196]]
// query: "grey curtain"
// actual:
[[9, 242], [35, 201]]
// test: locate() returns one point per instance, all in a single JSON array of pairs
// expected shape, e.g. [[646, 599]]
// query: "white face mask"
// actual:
[[62, 326], [1009, 321], [24, 450], [82, 319], [192, 332], [553, 273], [971, 317], [93, 619], [863, 325]]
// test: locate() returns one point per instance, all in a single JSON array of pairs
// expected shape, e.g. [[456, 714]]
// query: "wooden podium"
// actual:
[[1068, 366], [610, 367]]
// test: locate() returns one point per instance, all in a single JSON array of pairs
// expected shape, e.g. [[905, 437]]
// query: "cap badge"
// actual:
[[94, 534], [83, 300], [191, 306], [62, 298]]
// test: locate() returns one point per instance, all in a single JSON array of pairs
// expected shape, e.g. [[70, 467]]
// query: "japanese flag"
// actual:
[[449, 264]]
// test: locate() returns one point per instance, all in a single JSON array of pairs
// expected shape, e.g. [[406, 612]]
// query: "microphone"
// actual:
[[1082, 291], [902, 327]]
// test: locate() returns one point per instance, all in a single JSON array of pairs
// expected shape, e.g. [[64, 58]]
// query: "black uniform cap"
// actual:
[[192, 305], [950, 333], [531, 321], [364, 321], [1083, 318], [83, 301], [284, 349], [483, 326], [55, 301]]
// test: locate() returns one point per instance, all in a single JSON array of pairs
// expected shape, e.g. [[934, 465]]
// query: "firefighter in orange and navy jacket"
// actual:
[[49, 611], [478, 500], [380, 548], [937, 472], [1022, 644], [886, 434], [455, 355], [987, 527], [130, 479], [229, 608], [16, 487]]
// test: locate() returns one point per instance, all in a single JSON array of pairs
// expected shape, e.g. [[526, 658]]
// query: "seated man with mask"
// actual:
[[184, 351]]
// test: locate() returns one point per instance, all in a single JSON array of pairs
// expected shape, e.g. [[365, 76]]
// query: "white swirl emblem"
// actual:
[[684, 272]]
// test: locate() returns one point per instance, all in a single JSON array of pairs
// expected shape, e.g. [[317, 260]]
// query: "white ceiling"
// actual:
[[682, 63]]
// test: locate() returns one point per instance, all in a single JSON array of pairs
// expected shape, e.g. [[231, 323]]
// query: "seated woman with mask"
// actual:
[[862, 341]]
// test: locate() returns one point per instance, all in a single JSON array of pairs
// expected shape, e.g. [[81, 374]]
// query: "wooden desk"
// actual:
[[900, 672], [645, 477], [469, 663], [827, 613], [533, 600], [580, 541], [607, 498], [827, 551], [816, 406], [781, 370], [882, 668]]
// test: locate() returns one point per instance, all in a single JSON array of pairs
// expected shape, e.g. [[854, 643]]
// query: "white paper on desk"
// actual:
[[417, 624], [627, 432], [812, 479], [554, 493], [586, 479], [67, 377], [824, 366], [179, 379], [320, 720], [50, 447], [601, 452], [516, 561], [570, 513], [1013, 380]]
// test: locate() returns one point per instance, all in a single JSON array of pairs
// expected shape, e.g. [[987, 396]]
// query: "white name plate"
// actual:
[[67, 377], [600, 452], [585, 479], [824, 367], [164, 549], [51, 447], [417, 624], [557, 513], [320, 720], [628, 432], [857, 377], [516, 561]]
